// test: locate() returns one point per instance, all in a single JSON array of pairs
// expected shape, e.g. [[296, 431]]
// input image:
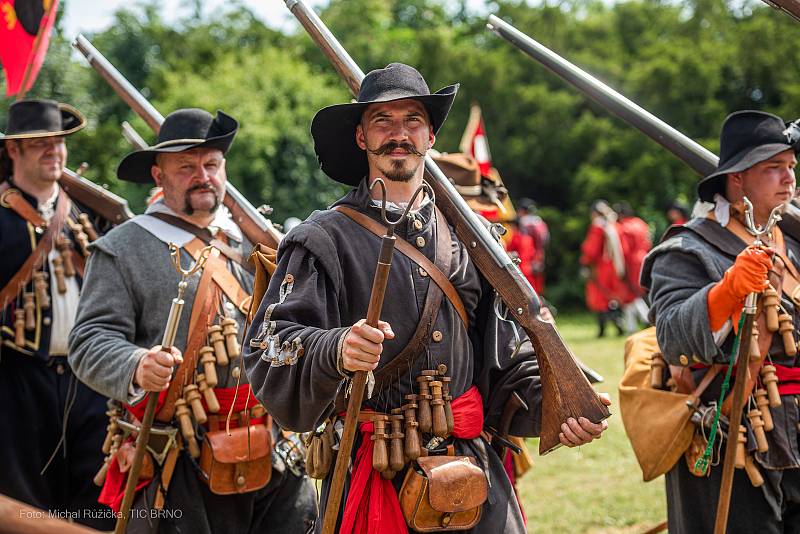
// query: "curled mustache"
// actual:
[[394, 145]]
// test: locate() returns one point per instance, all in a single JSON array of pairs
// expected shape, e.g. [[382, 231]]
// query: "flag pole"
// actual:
[[37, 42]]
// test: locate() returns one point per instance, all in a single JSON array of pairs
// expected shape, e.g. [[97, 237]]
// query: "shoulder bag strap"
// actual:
[[408, 250]]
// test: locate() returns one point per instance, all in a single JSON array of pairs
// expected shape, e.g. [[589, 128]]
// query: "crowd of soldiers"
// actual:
[[86, 307]]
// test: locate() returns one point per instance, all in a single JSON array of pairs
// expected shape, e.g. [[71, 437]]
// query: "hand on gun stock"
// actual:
[[577, 432], [363, 345], [747, 275], [154, 370]]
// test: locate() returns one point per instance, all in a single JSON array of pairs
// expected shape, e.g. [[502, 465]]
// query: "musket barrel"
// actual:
[[132, 136], [696, 156], [121, 85], [263, 230]]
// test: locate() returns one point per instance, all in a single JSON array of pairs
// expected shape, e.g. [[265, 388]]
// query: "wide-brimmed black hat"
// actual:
[[747, 138], [333, 127], [182, 130], [41, 118]]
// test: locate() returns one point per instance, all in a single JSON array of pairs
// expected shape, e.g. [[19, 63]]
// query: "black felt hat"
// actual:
[[747, 138], [41, 118], [182, 130], [333, 127]]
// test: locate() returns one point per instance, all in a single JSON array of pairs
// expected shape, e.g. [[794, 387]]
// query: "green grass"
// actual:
[[597, 488]]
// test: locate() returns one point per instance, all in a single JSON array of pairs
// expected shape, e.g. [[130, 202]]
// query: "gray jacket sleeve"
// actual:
[[102, 353], [292, 346], [678, 294]]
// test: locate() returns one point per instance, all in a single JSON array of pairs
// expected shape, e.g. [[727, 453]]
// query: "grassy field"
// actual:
[[597, 488]]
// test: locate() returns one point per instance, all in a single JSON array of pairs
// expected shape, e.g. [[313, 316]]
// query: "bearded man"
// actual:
[[207, 479], [309, 335]]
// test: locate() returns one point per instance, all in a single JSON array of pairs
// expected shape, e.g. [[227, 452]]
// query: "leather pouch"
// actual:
[[320, 452], [237, 463], [443, 493]]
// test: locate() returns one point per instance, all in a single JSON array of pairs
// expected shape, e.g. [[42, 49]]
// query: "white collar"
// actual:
[[722, 210], [172, 234]]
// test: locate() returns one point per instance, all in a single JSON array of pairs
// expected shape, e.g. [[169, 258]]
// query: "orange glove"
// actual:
[[747, 275]]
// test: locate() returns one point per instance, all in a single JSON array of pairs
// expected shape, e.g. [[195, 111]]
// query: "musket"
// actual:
[[254, 225], [132, 136], [103, 202], [790, 7], [698, 158], [701, 161], [565, 390]]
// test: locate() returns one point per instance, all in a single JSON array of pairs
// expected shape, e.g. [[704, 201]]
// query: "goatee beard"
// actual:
[[398, 172]]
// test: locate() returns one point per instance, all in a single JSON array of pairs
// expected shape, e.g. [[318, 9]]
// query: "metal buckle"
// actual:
[[160, 437], [291, 449]]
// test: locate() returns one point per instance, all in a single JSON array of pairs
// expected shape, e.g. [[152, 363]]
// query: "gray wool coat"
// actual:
[[128, 289], [332, 262], [678, 275]]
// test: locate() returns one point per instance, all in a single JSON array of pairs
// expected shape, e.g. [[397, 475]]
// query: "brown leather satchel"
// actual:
[[237, 463], [443, 493]]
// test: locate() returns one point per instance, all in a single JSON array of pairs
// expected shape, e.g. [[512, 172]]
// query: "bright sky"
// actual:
[[94, 15]]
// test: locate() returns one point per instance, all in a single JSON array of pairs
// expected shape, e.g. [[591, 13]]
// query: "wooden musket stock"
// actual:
[[565, 390], [104, 203], [257, 228]]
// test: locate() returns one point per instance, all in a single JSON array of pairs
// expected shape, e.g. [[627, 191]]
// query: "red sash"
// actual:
[[114, 486], [372, 506]]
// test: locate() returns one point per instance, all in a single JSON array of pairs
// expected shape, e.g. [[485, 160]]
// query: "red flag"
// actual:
[[474, 141], [24, 36]]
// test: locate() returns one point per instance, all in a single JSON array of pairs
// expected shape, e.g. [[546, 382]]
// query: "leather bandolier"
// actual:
[[62, 241], [427, 494], [762, 389], [224, 429]]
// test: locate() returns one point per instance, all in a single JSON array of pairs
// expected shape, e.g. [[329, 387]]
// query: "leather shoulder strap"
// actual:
[[405, 248], [404, 360], [206, 300], [224, 279], [12, 199]]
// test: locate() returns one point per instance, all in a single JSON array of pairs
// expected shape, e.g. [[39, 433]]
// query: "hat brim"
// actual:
[[715, 182], [135, 167], [72, 121], [333, 130]]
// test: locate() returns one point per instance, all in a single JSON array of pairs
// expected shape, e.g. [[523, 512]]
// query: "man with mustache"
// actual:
[[438, 325], [208, 480], [54, 424], [697, 280]]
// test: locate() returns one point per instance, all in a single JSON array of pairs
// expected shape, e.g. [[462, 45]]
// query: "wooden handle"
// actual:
[[136, 466], [735, 420], [357, 391]]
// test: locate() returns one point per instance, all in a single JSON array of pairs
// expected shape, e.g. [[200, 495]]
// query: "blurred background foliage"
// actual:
[[689, 62]]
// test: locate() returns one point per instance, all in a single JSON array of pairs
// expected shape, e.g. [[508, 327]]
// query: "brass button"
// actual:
[[289, 278], [60, 368], [46, 321], [417, 224], [240, 480], [684, 360], [422, 272], [436, 336], [420, 241]]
